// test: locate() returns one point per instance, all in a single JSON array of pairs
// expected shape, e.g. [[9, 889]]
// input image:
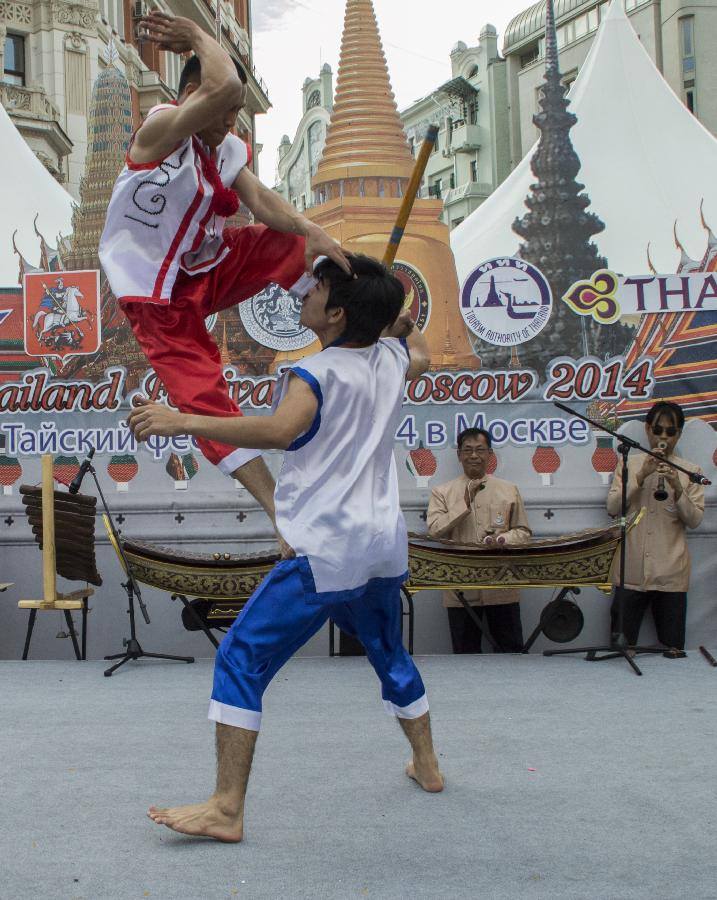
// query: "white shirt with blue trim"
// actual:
[[336, 497]]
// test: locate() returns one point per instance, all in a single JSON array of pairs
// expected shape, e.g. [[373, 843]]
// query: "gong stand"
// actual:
[[560, 621], [618, 646]]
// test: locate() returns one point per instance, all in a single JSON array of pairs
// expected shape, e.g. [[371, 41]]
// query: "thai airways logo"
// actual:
[[62, 313], [506, 301], [272, 319]]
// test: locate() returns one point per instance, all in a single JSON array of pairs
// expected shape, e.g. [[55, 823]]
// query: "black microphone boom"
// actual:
[[84, 468]]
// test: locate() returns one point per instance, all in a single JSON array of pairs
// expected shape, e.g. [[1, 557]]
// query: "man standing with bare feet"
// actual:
[[337, 504]]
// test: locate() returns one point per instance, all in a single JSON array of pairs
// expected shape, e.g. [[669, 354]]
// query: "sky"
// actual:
[[293, 38]]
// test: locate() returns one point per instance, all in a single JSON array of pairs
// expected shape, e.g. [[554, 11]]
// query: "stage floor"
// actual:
[[563, 780]]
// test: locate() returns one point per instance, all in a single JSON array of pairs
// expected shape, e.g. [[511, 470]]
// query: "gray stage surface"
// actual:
[[564, 780]]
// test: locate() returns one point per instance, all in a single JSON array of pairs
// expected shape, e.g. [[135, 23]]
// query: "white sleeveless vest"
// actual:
[[159, 220], [336, 496]]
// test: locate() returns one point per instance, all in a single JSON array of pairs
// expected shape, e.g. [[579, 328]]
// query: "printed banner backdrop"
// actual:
[[528, 309]]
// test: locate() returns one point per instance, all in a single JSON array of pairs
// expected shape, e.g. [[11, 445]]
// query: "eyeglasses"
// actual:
[[668, 431], [467, 451]]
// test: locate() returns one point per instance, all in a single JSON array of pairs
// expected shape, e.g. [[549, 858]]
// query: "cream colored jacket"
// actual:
[[497, 509]]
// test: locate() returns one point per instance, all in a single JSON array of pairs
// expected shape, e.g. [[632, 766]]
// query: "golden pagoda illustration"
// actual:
[[359, 185]]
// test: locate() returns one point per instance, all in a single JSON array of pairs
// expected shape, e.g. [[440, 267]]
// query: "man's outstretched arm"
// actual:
[[294, 417], [271, 209]]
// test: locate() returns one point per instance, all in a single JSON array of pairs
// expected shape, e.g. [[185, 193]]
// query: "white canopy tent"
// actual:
[[27, 190], [647, 163]]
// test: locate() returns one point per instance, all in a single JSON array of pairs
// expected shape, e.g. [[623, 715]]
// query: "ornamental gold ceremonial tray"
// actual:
[[582, 558]]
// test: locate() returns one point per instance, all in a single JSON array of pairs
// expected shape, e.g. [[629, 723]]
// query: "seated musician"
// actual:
[[657, 564], [478, 508]]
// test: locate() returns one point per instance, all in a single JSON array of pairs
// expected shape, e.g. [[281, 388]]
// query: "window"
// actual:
[[592, 19], [473, 112], [314, 100], [581, 27], [569, 78], [14, 59], [529, 56], [456, 222], [473, 72], [474, 170], [412, 146], [687, 44], [452, 181], [690, 101], [436, 190]]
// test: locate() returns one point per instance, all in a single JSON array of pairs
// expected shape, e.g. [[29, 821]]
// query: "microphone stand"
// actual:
[[132, 650], [618, 646]]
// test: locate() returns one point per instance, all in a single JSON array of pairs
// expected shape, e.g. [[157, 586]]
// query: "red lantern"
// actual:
[[10, 471], [64, 469], [122, 469], [546, 463], [604, 458], [421, 463]]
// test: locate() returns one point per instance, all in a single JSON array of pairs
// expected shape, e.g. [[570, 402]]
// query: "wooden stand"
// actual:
[[51, 599]]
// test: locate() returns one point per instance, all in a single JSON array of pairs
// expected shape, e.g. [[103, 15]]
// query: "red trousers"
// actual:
[[177, 344]]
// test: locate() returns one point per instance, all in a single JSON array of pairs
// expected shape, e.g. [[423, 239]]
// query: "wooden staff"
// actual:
[[410, 196], [49, 580]]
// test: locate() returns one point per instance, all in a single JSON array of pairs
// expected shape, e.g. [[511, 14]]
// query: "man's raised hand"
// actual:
[[149, 419], [318, 243], [173, 33]]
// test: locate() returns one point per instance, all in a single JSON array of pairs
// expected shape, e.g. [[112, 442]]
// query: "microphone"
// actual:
[[77, 480], [661, 493]]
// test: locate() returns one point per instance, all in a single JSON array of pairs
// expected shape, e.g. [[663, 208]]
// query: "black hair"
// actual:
[[371, 301], [664, 407], [192, 74], [474, 432]]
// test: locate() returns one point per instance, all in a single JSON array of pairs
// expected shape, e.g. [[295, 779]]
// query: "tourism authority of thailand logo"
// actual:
[[506, 301]]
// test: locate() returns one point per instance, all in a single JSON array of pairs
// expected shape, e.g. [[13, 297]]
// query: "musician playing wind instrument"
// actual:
[[479, 508], [657, 559], [336, 416]]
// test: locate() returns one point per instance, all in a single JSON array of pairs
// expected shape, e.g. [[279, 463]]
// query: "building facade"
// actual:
[[472, 155], [677, 35], [51, 52], [298, 160]]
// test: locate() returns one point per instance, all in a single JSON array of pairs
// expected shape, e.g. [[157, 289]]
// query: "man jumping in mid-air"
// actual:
[[337, 504], [166, 253]]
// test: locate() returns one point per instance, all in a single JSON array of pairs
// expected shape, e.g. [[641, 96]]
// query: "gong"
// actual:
[[562, 621]]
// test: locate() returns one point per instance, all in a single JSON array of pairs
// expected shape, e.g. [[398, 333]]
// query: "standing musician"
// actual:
[[165, 249], [657, 567], [478, 508], [337, 504]]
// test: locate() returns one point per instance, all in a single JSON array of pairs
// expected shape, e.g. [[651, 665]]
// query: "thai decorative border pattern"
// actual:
[[431, 569], [198, 581]]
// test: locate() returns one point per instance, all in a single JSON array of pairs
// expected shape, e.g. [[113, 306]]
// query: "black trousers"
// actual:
[[669, 610], [503, 620]]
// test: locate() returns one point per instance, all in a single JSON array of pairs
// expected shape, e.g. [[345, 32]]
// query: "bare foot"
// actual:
[[427, 776], [207, 819]]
